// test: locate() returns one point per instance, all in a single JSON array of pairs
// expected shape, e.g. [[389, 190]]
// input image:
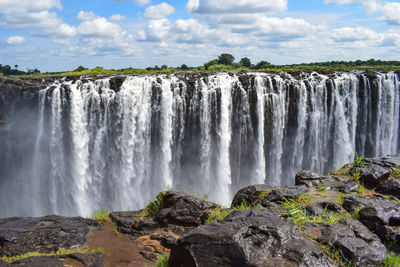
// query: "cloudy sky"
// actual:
[[55, 35]]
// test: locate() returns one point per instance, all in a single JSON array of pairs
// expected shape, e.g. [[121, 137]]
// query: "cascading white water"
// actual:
[[100, 147]]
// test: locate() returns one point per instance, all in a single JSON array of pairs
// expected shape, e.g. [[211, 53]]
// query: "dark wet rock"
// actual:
[[248, 238], [266, 196], [330, 206], [387, 162], [382, 220], [250, 194], [351, 203], [347, 187], [45, 234], [371, 177], [378, 214], [313, 210], [180, 208], [309, 179], [352, 238], [134, 224], [279, 194], [78, 259], [389, 187], [116, 83], [167, 241]]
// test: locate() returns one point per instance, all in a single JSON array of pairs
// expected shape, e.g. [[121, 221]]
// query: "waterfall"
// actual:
[[99, 146]]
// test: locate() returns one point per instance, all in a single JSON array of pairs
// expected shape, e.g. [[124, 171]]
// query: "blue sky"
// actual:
[[55, 35]]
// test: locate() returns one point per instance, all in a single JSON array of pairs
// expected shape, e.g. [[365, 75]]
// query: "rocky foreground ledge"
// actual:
[[348, 218]]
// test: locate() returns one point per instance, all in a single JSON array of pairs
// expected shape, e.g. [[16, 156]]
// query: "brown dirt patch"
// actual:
[[120, 251]]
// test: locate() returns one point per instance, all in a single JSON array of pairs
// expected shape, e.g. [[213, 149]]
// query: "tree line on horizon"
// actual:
[[224, 62]]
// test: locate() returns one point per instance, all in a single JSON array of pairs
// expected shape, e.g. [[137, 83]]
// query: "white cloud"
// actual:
[[347, 34], [64, 30], [83, 15], [29, 14], [139, 2], [117, 17], [159, 11], [155, 30], [15, 40], [236, 6], [277, 29], [99, 27], [391, 12], [191, 31]]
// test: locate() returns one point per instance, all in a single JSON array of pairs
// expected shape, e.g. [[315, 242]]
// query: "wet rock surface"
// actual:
[[266, 196], [248, 238], [45, 234], [180, 208], [378, 214], [87, 260], [373, 176], [177, 210], [352, 238], [389, 187]]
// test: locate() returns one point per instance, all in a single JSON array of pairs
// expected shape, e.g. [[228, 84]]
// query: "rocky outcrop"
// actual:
[[175, 210], [248, 238], [45, 234]]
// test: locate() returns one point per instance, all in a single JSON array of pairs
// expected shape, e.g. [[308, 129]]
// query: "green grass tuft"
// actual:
[[163, 261], [295, 210], [219, 214], [395, 172], [102, 215], [339, 198], [355, 214], [360, 189], [321, 187], [392, 260], [154, 207]]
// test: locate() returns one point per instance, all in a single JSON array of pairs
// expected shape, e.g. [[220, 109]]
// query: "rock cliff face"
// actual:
[[90, 142]]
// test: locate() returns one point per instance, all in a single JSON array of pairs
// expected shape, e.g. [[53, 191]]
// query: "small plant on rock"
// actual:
[[163, 261], [355, 214], [102, 215], [395, 172], [359, 161], [392, 260], [357, 175], [219, 214], [155, 206], [339, 198], [321, 187], [360, 189]]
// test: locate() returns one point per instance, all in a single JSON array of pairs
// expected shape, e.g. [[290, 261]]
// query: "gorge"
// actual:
[[71, 145]]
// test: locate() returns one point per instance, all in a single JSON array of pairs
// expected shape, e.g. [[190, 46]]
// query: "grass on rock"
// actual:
[[102, 215], [219, 214], [61, 252], [163, 261], [392, 260]]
